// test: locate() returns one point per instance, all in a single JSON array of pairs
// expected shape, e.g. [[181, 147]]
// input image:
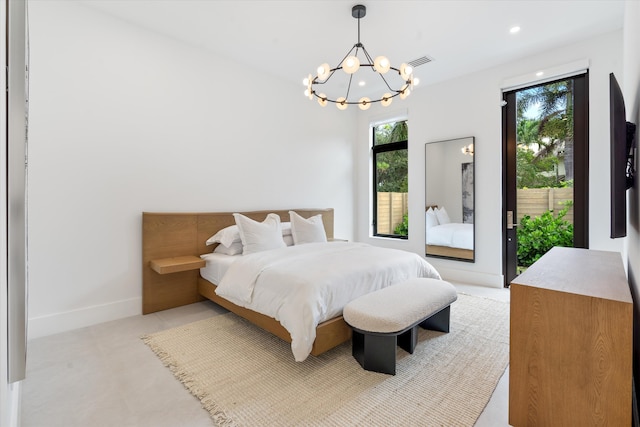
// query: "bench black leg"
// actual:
[[375, 353], [408, 340], [439, 321]]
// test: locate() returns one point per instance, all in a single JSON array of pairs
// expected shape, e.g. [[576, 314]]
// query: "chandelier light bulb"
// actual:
[[323, 71], [351, 64], [386, 99], [381, 64], [341, 103], [364, 103], [322, 99], [405, 71], [416, 81], [404, 92]]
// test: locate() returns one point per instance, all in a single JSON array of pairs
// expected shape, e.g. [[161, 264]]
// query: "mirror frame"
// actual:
[[445, 252]]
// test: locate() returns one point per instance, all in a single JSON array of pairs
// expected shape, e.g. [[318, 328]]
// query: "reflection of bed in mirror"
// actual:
[[449, 239], [449, 196]]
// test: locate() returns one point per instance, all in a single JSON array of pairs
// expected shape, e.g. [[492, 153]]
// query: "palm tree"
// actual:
[[555, 119]]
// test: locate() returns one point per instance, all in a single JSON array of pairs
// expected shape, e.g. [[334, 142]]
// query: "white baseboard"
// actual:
[[472, 277], [66, 321]]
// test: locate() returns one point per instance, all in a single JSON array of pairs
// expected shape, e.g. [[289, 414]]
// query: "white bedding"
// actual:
[[217, 265], [302, 286], [453, 235]]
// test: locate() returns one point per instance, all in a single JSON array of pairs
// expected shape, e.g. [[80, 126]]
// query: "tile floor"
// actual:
[[104, 375]]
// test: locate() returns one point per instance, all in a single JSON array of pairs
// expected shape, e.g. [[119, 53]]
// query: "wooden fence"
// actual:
[[391, 209], [535, 201], [531, 201]]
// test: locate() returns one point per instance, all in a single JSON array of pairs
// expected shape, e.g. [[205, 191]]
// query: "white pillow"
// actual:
[[234, 249], [226, 236], [230, 235], [432, 219], [286, 228], [443, 216], [288, 240], [259, 236], [307, 230]]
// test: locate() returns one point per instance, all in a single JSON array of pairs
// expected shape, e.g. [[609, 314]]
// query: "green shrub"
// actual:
[[402, 229], [539, 234]]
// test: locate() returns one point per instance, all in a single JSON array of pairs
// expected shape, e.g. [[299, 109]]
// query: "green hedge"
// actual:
[[539, 234]]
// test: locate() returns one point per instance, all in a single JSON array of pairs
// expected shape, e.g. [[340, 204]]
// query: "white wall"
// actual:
[[631, 89], [470, 106], [123, 121]]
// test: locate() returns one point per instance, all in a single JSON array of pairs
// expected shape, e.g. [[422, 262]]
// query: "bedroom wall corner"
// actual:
[[631, 88]]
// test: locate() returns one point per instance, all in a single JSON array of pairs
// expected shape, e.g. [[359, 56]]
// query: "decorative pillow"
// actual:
[[234, 249], [288, 240], [230, 235], [226, 236], [307, 230], [432, 219], [259, 236], [286, 228], [443, 216]]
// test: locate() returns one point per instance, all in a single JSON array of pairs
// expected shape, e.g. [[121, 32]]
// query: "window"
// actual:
[[390, 180]]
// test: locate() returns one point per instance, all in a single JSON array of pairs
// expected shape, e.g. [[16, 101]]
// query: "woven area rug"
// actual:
[[247, 377]]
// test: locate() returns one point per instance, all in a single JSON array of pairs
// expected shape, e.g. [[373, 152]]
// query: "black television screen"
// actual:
[[622, 147]]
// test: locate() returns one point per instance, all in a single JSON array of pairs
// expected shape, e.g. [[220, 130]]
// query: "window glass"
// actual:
[[390, 180]]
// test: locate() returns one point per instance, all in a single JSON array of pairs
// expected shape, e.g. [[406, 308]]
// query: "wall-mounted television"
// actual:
[[622, 146]]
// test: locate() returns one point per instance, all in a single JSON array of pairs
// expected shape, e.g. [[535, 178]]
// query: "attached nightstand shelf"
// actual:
[[176, 264]]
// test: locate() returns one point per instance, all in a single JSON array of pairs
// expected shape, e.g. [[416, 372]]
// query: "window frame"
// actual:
[[379, 149]]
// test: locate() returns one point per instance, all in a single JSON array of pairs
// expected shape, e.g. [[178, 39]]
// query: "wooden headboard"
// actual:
[[169, 235]]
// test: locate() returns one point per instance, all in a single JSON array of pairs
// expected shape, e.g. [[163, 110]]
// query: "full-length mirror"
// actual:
[[449, 207]]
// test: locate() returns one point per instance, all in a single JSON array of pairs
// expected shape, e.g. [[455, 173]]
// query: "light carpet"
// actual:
[[247, 377]]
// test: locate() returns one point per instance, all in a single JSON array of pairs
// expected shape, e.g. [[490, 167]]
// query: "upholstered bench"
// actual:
[[391, 316]]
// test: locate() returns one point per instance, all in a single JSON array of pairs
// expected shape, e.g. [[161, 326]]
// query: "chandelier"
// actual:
[[350, 64]]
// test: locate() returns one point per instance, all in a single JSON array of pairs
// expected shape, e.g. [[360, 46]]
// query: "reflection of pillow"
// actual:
[[432, 219], [443, 216], [234, 249], [259, 236], [226, 236], [307, 230]]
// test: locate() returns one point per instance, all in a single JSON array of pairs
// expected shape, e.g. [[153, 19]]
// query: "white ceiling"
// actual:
[[290, 39]]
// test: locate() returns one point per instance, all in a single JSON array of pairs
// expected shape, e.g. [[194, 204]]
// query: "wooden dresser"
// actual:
[[571, 341]]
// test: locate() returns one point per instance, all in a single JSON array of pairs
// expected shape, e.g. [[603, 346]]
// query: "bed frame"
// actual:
[[182, 236]]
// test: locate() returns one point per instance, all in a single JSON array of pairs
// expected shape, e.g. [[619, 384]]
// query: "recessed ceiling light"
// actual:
[[540, 73], [515, 29], [361, 83]]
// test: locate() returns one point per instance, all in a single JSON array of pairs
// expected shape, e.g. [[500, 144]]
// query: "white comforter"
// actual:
[[454, 235], [302, 286]]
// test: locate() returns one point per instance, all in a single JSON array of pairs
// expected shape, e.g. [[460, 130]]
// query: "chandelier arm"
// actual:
[[349, 86], [357, 102], [333, 70]]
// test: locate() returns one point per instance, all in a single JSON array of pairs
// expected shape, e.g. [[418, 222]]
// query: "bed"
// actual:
[[180, 235], [448, 239]]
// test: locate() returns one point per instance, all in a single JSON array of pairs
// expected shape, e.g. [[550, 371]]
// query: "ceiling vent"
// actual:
[[420, 61]]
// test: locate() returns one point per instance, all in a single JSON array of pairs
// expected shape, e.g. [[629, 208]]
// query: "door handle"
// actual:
[[510, 223]]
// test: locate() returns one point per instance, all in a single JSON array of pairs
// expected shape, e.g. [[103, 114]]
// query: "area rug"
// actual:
[[247, 377]]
